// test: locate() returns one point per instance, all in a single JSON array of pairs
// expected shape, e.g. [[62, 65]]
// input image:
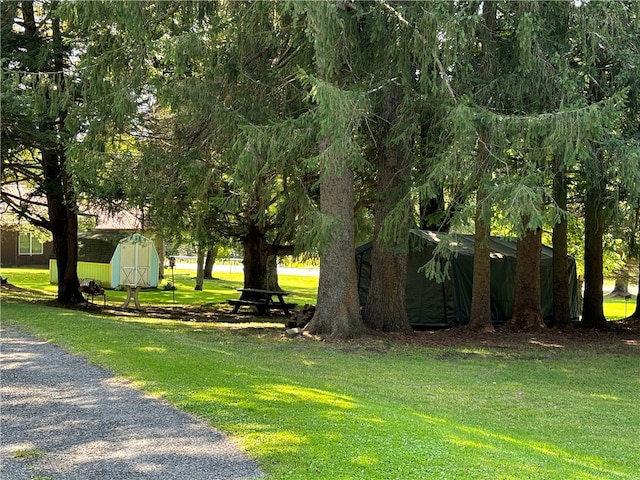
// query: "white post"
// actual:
[[136, 276]]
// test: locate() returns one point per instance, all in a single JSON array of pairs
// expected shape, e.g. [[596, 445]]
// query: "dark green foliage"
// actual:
[[207, 116], [39, 88]]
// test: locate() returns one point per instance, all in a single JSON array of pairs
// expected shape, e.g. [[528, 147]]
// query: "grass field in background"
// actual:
[[374, 409], [223, 286], [302, 288]]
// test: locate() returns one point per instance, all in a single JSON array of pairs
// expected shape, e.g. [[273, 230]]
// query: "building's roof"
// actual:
[[98, 246], [130, 219], [122, 220]]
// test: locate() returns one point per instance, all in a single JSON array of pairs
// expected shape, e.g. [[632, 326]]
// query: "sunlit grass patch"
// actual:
[[617, 308], [215, 293]]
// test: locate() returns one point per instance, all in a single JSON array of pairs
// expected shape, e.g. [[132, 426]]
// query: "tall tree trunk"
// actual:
[[61, 200], [64, 225], [560, 265], [200, 268], [209, 261], [255, 260], [385, 308], [160, 248], [480, 320], [593, 310], [338, 309], [527, 313]]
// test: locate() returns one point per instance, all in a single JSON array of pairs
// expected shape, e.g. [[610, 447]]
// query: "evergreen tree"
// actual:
[[230, 98], [606, 57], [480, 315], [394, 69], [333, 30], [39, 85], [527, 112]]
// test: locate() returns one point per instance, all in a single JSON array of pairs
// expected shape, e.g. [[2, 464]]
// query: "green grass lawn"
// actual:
[[215, 292], [224, 286], [617, 308], [374, 409]]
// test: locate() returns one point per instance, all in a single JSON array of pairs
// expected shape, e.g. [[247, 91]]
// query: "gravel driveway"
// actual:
[[63, 419]]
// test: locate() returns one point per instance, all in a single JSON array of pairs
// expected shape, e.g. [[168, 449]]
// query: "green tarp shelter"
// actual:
[[434, 304]]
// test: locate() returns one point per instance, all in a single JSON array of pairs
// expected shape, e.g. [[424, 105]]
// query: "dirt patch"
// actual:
[[622, 336]]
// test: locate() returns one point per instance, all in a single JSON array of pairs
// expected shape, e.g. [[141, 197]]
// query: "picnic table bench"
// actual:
[[262, 300]]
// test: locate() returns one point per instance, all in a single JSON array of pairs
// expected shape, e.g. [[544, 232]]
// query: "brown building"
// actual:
[[23, 249]]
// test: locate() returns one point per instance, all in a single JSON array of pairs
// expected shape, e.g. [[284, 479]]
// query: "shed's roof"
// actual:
[[98, 246]]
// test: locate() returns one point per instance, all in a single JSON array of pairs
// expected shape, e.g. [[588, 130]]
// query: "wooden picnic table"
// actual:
[[262, 300]]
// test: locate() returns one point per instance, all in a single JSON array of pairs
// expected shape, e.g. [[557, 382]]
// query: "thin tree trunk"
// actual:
[[64, 226], [560, 265], [209, 261], [480, 316], [480, 320], [385, 308], [527, 313], [593, 310], [200, 268], [160, 248]]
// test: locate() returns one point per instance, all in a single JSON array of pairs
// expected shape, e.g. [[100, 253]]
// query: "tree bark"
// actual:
[[209, 261], [272, 272], [56, 183], [63, 225], [255, 259], [160, 248], [200, 268], [338, 309], [560, 265], [593, 310], [527, 313], [480, 320], [385, 309]]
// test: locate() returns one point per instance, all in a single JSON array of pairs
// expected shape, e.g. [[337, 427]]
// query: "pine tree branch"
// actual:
[[441, 69]]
